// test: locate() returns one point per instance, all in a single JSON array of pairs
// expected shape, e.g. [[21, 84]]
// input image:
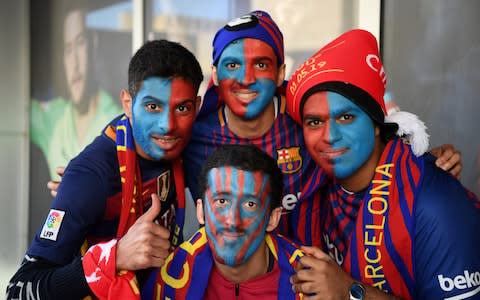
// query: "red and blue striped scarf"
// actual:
[[186, 271], [99, 261], [374, 235]]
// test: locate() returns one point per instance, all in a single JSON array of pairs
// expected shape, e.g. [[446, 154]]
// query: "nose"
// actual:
[[166, 122], [233, 217], [249, 76], [332, 134]]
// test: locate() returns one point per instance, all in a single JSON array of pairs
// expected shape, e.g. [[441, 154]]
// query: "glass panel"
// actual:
[[305, 27], [79, 61]]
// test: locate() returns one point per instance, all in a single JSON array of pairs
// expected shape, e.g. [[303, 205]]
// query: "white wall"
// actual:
[[14, 91]]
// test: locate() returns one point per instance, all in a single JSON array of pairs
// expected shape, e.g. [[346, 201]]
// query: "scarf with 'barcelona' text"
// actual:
[[374, 235]]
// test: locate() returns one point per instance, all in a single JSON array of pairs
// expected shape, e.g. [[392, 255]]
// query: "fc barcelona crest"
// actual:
[[289, 160], [163, 185]]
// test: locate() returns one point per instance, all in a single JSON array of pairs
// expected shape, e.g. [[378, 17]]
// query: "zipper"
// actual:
[[237, 289]]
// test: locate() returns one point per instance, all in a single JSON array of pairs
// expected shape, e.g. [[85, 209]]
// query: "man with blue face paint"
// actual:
[[235, 256], [245, 104], [393, 224], [133, 167]]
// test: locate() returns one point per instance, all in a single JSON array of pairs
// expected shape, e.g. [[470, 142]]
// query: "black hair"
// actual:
[[163, 58], [247, 158], [361, 98]]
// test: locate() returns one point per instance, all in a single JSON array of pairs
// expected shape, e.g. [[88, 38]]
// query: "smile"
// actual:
[[246, 96], [165, 142], [332, 154]]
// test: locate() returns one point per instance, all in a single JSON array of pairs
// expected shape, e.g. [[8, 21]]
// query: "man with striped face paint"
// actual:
[[237, 205], [393, 223], [235, 256]]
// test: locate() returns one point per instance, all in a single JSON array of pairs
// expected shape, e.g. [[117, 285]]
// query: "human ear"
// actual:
[[200, 214], [275, 216], [214, 75], [126, 100], [281, 75]]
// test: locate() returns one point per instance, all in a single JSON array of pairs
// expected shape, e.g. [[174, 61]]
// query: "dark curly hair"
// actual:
[[163, 58]]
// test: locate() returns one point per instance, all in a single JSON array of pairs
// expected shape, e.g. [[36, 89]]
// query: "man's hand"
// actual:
[[145, 244], [52, 184], [320, 277], [448, 158]]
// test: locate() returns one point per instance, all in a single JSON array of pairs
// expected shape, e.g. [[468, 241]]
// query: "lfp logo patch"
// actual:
[[52, 225]]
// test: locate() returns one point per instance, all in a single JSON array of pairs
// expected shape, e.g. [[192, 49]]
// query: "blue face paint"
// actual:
[[247, 73], [151, 115], [357, 137], [237, 205]]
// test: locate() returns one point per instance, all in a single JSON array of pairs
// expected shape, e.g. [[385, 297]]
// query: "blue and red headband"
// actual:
[[256, 25]]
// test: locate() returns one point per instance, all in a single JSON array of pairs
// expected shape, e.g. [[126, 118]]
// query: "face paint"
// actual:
[[247, 73], [163, 112], [339, 135], [237, 206], [75, 54]]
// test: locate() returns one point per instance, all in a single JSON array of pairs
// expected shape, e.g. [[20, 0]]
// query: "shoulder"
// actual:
[[447, 222]]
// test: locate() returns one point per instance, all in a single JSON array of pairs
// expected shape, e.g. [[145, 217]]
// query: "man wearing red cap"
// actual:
[[390, 218]]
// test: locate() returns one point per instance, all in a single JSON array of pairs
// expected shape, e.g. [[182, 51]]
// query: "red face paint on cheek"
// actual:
[[316, 116]]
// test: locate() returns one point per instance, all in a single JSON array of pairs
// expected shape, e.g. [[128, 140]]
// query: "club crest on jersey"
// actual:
[[163, 185], [289, 160], [52, 225]]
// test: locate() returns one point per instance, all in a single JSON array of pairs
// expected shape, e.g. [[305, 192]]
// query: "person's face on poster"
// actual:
[[75, 54]]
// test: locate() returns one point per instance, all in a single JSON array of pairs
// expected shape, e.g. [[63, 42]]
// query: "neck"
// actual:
[[256, 266], [361, 179], [83, 115], [251, 128]]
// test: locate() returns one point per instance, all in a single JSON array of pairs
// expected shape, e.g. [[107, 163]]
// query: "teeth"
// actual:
[[246, 96]]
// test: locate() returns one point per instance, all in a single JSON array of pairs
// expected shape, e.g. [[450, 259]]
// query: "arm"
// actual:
[[447, 227], [41, 279], [320, 277]]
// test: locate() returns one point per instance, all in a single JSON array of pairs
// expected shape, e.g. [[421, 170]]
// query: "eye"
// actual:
[[261, 66], [220, 202], [184, 108], [152, 107], [312, 122], [346, 118], [250, 205], [232, 66]]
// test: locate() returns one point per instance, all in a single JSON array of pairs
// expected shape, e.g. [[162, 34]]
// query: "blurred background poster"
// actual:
[[79, 60]]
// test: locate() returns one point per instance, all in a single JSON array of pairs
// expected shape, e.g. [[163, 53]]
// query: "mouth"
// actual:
[[165, 142], [232, 236], [331, 154], [245, 96]]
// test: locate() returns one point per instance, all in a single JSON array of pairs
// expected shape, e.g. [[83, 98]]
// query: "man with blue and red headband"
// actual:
[[134, 165], [245, 104], [391, 220]]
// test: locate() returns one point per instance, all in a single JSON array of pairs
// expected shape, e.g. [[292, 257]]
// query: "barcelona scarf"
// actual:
[[380, 251], [99, 262], [185, 273]]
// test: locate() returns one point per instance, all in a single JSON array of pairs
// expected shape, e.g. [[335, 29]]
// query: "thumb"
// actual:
[[152, 213]]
